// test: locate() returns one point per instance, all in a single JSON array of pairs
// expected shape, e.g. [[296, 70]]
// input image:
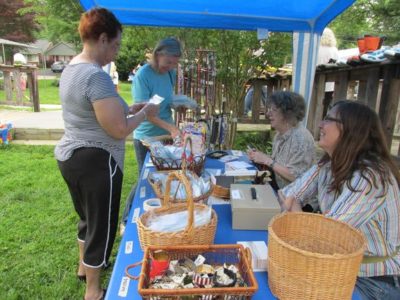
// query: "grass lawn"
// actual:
[[48, 92], [38, 247]]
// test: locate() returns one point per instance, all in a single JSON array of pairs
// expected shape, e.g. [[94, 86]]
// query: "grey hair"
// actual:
[[291, 105], [328, 38], [169, 46]]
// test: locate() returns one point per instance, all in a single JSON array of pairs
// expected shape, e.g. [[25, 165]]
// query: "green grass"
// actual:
[[38, 248], [48, 92]]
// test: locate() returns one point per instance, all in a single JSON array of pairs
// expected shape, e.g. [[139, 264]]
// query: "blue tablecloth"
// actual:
[[121, 287]]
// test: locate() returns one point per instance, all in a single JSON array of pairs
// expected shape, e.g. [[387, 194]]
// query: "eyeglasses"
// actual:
[[331, 119]]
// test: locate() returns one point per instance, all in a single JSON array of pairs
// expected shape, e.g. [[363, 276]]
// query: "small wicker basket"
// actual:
[[313, 257], [191, 235], [157, 187], [193, 163], [215, 255]]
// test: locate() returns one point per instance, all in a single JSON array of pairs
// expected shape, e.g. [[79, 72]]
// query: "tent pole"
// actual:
[[4, 54]]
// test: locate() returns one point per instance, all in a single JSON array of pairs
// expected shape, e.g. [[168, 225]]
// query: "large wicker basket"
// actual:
[[193, 163], [157, 187], [313, 257], [191, 235], [215, 255]]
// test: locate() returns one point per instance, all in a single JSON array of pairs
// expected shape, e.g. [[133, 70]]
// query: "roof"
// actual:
[[288, 15], [61, 48], [12, 43]]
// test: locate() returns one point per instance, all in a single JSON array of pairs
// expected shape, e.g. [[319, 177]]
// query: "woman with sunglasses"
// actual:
[[357, 182]]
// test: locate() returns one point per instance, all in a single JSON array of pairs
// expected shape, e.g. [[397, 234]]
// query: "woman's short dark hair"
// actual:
[[361, 147], [291, 105], [169, 46], [96, 21]]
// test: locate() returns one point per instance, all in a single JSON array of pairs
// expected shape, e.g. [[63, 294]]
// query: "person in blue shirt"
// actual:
[[158, 77]]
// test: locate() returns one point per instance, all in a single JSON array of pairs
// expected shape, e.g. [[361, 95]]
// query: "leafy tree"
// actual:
[[16, 25]]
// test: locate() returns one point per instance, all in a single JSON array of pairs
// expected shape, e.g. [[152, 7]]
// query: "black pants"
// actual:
[[94, 181]]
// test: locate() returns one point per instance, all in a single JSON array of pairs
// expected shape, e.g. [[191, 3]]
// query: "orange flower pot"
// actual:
[[361, 45], [372, 43]]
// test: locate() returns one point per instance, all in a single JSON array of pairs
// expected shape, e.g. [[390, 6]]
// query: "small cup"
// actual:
[[159, 264]]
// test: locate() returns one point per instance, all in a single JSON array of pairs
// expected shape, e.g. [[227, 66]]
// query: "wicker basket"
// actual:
[[215, 255], [202, 199], [221, 192], [313, 257], [193, 163], [191, 235]]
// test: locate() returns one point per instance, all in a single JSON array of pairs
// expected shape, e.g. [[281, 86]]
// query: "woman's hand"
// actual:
[[175, 132], [151, 110], [259, 157], [288, 203], [135, 108]]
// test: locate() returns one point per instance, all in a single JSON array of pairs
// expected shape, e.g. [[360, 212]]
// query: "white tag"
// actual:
[[199, 260], [128, 247], [142, 192], [124, 287], [136, 213], [236, 194], [237, 153], [145, 174], [156, 99]]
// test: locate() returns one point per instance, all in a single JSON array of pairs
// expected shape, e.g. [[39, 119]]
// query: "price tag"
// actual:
[[136, 213], [128, 247], [145, 174], [124, 287], [142, 192]]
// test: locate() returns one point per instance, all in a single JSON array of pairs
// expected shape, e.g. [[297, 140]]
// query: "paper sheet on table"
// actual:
[[156, 99], [228, 158], [259, 253], [237, 153], [237, 165]]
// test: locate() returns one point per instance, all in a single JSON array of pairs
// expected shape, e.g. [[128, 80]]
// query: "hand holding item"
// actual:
[[259, 157], [135, 108], [175, 132], [150, 110]]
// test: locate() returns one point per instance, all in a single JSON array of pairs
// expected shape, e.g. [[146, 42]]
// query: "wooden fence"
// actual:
[[14, 93]]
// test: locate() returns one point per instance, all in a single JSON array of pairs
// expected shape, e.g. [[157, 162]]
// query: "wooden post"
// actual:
[[372, 87], [8, 86], [17, 86]]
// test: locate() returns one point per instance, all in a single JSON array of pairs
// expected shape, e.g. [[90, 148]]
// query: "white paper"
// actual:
[[227, 158], [142, 192], [236, 194], [156, 99], [237, 165], [136, 213], [212, 200], [259, 253], [149, 164], [124, 287], [237, 153], [244, 172], [128, 247], [145, 174]]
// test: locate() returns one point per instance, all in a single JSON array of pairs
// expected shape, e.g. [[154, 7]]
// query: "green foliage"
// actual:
[[39, 254], [261, 140]]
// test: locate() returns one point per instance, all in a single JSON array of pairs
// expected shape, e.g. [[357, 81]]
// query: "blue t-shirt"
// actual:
[[147, 83]]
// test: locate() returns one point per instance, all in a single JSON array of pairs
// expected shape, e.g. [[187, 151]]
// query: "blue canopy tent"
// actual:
[[305, 18]]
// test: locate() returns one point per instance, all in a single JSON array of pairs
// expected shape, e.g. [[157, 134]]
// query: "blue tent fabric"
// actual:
[[305, 18]]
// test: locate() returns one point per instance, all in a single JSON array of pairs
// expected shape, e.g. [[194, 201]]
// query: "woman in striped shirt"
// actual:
[[357, 182]]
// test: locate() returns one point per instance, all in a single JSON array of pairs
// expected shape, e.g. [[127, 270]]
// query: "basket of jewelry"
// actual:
[[201, 187], [186, 223], [199, 272], [169, 154]]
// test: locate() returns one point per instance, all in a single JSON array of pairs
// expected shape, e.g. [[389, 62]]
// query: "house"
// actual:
[[48, 52]]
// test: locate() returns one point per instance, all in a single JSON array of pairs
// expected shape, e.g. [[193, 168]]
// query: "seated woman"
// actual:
[[357, 182], [293, 147]]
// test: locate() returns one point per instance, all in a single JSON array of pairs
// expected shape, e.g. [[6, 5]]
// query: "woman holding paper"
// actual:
[[91, 153], [155, 82]]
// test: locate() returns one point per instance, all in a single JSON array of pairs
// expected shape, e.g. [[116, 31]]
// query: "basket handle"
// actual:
[[180, 175], [185, 159], [131, 266], [249, 257]]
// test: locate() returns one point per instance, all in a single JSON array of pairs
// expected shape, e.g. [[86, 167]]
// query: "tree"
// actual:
[[16, 25]]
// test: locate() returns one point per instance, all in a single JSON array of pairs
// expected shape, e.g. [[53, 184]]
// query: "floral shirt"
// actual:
[[295, 149], [375, 212]]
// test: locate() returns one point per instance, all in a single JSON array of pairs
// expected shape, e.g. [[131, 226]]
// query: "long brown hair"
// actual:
[[361, 147]]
